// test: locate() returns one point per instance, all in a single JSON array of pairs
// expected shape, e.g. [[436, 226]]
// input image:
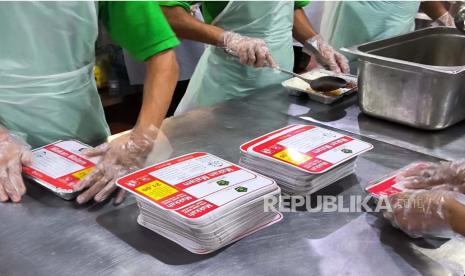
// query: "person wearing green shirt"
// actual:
[[239, 33], [48, 90]]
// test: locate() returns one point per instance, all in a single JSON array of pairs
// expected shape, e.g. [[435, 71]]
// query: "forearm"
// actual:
[[302, 29], [434, 9], [3, 131], [455, 215], [188, 27], [160, 82]]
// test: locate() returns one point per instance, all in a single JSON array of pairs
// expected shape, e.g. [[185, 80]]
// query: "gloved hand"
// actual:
[[445, 20], [13, 154], [324, 54], [251, 51], [423, 213], [119, 157], [442, 175]]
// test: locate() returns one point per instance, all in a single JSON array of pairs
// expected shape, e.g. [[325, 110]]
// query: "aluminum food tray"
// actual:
[[66, 195], [318, 97]]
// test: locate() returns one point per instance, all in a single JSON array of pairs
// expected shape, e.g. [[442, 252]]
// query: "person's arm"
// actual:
[[302, 29], [455, 213], [188, 27], [423, 213], [315, 46], [251, 51], [160, 82], [141, 28], [14, 153], [434, 9], [438, 12], [129, 152], [444, 175]]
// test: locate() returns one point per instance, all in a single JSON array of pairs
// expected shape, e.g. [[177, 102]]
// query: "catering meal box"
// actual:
[[60, 165], [303, 158], [296, 86], [200, 201], [385, 187], [389, 185]]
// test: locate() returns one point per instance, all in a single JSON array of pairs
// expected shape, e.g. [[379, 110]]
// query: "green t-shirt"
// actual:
[[210, 9], [139, 27]]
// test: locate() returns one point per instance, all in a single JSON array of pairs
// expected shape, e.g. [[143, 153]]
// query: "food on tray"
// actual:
[[333, 93], [299, 84], [351, 85]]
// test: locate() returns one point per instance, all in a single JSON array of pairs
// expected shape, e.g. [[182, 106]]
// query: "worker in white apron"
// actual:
[[348, 23], [47, 89], [188, 54], [48, 92], [260, 34]]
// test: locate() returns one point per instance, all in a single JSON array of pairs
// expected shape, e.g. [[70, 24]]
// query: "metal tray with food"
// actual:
[[297, 86]]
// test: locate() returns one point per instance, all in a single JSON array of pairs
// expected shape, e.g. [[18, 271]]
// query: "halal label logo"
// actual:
[[222, 182], [347, 151]]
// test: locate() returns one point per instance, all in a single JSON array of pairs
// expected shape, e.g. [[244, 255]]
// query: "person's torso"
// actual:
[[37, 35], [349, 23], [47, 87], [220, 77]]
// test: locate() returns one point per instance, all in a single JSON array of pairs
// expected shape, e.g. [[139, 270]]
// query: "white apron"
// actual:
[[47, 86], [348, 23], [219, 77]]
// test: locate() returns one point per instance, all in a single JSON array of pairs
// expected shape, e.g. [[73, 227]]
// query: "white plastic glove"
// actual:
[[119, 157], [444, 20], [423, 213], [326, 55], [13, 155], [251, 51], [442, 175]]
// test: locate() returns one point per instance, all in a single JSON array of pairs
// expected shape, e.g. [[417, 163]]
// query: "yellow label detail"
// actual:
[[156, 190], [292, 156], [82, 173]]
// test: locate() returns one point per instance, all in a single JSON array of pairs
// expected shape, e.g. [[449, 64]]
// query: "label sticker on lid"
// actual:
[[385, 187], [244, 147], [309, 148], [60, 164], [193, 185], [389, 185]]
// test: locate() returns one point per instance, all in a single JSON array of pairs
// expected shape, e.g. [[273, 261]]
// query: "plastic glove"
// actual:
[[442, 175], [326, 54], [13, 155], [251, 51], [423, 213], [445, 20], [119, 157]]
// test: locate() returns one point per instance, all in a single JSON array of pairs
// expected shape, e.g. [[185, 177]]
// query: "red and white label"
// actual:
[[389, 185], [60, 164], [193, 185], [309, 148], [244, 147], [386, 187]]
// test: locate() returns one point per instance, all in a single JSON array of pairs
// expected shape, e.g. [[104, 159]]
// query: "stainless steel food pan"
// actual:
[[416, 79]]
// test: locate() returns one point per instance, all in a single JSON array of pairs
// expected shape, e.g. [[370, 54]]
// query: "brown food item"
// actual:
[[351, 85], [333, 93]]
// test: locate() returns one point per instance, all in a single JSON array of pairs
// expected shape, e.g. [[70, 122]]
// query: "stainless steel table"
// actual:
[[446, 144], [48, 236]]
